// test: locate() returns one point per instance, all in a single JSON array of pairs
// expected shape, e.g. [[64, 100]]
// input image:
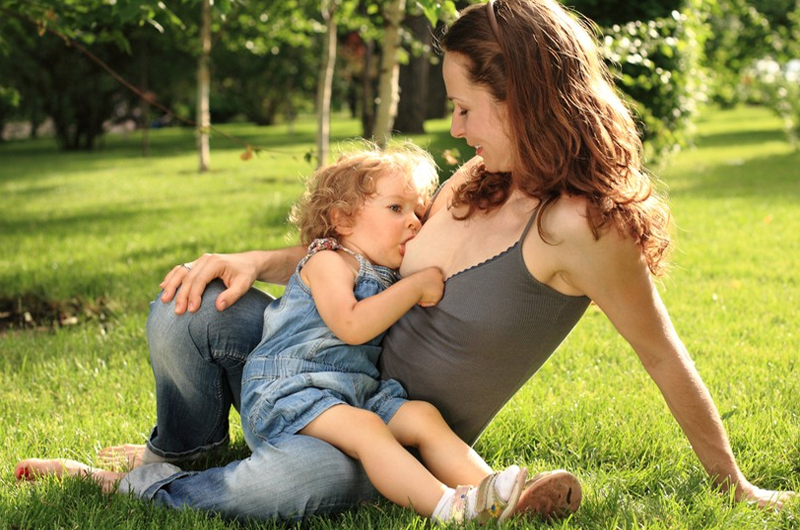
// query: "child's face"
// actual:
[[386, 221]]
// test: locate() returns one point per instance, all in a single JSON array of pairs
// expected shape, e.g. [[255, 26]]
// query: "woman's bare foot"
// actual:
[[34, 468], [126, 456]]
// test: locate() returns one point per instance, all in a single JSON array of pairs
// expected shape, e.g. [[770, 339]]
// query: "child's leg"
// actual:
[[395, 473], [419, 424]]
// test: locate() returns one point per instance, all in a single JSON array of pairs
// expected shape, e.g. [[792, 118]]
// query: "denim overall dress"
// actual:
[[300, 368]]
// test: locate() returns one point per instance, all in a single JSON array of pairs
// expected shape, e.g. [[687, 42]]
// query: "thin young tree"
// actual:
[[203, 88], [325, 84], [388, 87]]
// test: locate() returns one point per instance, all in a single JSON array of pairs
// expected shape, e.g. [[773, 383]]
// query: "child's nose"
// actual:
[[414, 223]]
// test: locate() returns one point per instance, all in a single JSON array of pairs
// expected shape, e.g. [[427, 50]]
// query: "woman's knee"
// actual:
[[235, 331]]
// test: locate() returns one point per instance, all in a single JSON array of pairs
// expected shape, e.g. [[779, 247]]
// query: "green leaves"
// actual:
[[656, 65], [435, 10]]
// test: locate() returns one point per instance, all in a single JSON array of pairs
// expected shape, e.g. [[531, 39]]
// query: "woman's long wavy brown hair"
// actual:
[[573, 133]]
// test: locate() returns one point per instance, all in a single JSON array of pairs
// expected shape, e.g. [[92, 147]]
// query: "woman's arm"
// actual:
[[613, 273], [238, 271], [331, 279]]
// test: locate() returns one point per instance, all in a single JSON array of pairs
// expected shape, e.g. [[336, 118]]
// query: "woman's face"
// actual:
[[477, 117]]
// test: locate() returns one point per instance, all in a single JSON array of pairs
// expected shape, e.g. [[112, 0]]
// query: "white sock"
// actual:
[[505, 484], [506, 480], [442, 511]]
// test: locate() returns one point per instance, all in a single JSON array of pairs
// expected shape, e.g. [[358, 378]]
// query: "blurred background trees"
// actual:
[[669, 57]]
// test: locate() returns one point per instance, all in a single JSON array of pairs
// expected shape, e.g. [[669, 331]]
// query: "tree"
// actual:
[[413, 99], [204, 88], [326, 80], [412, 108], [388, 88], [66, 54]]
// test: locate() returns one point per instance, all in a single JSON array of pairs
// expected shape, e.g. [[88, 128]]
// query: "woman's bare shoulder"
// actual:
[[578, 257], [566, 220], [566, 225]]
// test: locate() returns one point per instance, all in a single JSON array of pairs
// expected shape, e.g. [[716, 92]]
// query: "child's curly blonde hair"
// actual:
[[351, 180]]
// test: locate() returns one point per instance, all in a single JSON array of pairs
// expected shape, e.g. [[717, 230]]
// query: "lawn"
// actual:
[[85, 239]]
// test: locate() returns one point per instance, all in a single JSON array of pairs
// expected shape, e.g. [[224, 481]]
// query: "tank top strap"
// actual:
[[430, 203], [530, 221]]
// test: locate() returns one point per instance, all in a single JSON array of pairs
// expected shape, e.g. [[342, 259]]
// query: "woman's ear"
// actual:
[[341, 222]]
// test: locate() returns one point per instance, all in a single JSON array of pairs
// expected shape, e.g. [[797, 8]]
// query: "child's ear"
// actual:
[[341, 222]]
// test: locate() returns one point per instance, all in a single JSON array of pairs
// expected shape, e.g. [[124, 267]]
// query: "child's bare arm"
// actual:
[[331, 280]]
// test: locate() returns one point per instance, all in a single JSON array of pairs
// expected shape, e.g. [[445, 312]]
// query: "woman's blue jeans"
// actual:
[[197, 361]]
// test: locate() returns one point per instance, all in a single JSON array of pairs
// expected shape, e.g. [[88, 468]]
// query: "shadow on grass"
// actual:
[[740, 174], [29, 311], [733, 138], [759, 177], [101, 221]]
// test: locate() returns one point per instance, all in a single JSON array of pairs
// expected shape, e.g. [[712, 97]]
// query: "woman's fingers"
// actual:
[[237, 286], [186, 283], [180, 282]]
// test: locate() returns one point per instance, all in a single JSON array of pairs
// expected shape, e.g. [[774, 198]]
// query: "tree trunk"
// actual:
[[144, 103], [367, 96], [413, 105], [203, 88], [325, 83], [388, 91], [437, 95]]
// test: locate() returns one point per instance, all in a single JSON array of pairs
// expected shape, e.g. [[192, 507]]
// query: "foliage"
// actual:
[[753, 55], [606, 13], [91, 21], [57, 54], [265, 62], [657, 63], [73, 91], [436, 10], [777, 86], [738, 34]]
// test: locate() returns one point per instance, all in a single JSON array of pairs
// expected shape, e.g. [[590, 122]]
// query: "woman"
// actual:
[[555, 210]]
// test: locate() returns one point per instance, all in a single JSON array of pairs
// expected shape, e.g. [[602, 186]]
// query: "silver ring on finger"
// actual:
[[187, 266]]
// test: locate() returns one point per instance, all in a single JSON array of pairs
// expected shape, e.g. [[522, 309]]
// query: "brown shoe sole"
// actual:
[[551, 494]]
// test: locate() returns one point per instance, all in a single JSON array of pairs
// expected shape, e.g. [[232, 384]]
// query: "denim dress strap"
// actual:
[[384, 275]]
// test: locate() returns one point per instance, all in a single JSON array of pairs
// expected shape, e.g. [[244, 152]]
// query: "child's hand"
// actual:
[[431, 282]]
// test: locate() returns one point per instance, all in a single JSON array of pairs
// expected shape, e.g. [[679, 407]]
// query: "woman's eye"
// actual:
[[462, 112]]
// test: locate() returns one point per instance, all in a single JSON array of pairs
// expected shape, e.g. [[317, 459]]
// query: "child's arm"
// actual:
[[330, 277]]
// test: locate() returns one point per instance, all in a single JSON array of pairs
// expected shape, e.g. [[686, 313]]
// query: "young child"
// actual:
[[315, 373]]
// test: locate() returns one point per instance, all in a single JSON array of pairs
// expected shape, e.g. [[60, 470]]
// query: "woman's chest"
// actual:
[[454, 245]]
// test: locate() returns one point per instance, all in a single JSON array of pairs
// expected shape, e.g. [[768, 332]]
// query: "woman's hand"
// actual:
[[238, 271]]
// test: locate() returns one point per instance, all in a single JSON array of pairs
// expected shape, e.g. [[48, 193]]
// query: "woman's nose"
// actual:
[[456, 130]]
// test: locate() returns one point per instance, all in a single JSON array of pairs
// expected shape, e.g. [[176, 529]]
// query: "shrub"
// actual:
[[657, 63], [777, 86]]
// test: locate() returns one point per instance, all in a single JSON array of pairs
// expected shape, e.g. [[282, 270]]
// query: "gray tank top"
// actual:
[[494, 328]]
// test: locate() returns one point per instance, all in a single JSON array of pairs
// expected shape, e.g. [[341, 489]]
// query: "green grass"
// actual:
[[91, 235]]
